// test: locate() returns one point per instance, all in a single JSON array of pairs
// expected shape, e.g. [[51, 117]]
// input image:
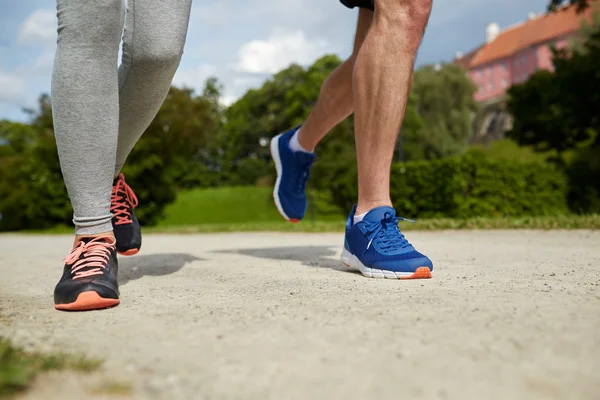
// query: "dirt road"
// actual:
[[507, 315]]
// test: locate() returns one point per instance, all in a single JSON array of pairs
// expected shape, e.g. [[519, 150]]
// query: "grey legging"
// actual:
[[100, 111]]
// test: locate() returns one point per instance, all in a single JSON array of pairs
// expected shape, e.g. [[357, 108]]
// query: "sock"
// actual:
[[358, 218], [295, 144]]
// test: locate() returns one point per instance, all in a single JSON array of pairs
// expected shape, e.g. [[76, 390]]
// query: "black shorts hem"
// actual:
[[368, 4]]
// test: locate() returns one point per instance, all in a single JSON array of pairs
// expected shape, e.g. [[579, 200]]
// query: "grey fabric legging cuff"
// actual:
[[100, 111]]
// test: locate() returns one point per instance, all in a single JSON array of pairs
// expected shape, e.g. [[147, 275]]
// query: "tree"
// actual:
[[581, 4], [32, 193], [559, 110], [444, 102], [177, 150], [281, 103]]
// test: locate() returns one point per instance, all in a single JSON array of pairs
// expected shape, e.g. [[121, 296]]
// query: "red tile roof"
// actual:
[[538, 30]]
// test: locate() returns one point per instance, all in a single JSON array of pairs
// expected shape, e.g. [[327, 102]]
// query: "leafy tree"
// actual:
[[581, 4], [446, 106], [32, 193], [177, 150], [559, 110], [280, 104]]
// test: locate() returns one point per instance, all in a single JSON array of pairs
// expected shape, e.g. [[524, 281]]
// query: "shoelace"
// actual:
[[96, 253], [121, 200], [303, 176], [386, 232]]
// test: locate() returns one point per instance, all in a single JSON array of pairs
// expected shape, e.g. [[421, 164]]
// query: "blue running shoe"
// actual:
[[293, 170], [376, 247]]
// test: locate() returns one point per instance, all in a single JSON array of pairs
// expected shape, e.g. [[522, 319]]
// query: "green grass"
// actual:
[[223, 205], [246, 209], [19, 368], [113, 388], [543, 223]]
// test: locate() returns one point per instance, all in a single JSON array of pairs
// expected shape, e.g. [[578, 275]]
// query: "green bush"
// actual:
[[468, 186], [584, 181]]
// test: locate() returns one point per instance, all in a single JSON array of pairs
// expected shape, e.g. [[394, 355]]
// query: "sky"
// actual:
[[241, 42]]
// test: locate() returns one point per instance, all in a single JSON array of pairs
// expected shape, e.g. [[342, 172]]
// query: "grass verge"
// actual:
[[543, 223], [19, 368]]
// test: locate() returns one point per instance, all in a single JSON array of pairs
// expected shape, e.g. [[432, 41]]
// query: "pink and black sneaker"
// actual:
[[125, 225], [89, 280]]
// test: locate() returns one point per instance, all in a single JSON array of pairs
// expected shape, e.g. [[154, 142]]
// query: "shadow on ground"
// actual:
[[311, 256], [132, 268]]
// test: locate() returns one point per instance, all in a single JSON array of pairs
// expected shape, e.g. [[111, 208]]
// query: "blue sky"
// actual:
[[241, 42]]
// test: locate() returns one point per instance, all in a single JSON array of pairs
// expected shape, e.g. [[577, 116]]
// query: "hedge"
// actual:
[[468, 186]]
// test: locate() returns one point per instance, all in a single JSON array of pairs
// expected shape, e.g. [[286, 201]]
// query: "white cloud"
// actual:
[[13, 88], [194, 77], [39, 27], [45, 61], [279, 51], [228, 100]]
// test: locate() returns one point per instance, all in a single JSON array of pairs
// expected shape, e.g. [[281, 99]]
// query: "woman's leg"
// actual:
[[85, 100], [155, 33]]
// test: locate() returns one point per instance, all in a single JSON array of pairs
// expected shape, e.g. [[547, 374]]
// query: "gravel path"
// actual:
[[507, 315]]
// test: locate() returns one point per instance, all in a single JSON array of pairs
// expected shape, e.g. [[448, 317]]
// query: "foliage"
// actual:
[[507, 150], [559, 110], [446, 107], [177, 150], [32, 193], [469, 186], [580, 4], [584, 180]]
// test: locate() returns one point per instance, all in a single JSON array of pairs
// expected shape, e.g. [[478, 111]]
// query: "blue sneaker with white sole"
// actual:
[[376, 247], [293, 170]]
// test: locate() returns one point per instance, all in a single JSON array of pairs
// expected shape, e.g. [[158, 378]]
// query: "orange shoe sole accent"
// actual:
[[87, 301], [131, 252], [420, 273], [292, 220]]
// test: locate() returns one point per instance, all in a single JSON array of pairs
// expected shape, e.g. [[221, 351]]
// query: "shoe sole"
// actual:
[[131, 252], [274, 148], [87, 301], [351, 261]]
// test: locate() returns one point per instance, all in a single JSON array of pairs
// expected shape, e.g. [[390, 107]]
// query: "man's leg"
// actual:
[[382, 76], [335, 100], [292, 151]]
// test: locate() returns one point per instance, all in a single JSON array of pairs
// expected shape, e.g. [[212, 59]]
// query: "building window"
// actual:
[[504, 66], [516, 62], [504, 82], [491, 86], [489, 71], [479, 73]]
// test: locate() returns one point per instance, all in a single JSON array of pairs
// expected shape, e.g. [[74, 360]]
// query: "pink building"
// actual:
[[510, 56]]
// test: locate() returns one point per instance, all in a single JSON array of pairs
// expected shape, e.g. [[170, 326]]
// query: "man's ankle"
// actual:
[[297, 145], [366, 206]]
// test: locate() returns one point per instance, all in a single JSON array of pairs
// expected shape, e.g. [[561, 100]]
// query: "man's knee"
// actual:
[[405, 14]]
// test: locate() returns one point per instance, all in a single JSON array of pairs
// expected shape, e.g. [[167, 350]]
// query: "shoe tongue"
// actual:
[[106, 239], [377, 214]]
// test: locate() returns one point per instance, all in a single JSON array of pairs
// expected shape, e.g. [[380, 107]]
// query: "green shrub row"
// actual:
[[468, 186]]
